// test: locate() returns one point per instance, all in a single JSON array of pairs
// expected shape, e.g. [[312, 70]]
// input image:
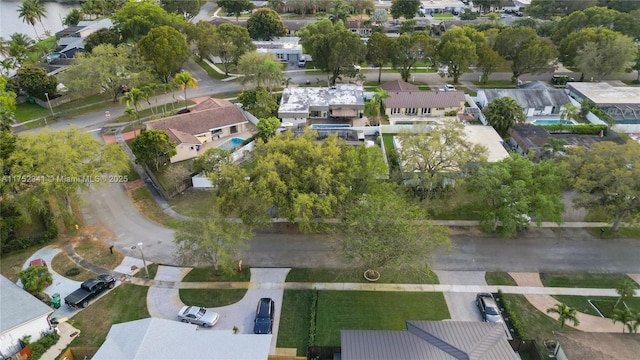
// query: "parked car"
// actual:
[[264, 316], [488, 308], [198, 315], [448, 87], [88, 290], [302, 62]]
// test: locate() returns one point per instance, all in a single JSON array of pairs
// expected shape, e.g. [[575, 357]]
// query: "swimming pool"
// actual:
[[553, 122], [231, 144], [330, 126]]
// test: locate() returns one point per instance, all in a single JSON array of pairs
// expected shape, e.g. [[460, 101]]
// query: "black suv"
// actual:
[[264, 316]]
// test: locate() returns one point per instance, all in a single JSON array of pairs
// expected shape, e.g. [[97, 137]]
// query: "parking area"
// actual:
[[462, 306]]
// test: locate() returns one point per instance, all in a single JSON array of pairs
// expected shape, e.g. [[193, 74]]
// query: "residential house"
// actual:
[[434, 340], [21, 315], [441, 6], [357, 26], [157, 339], [535, 102], [597, 346], [526, 138], [398, 85], [338, 104], [422, 105], [294, 26], [71, 39], [285, 49], [621, 102], [209, 121]]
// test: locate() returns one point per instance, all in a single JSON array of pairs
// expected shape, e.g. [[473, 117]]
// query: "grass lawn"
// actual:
[[356, 276], [127, 302], [98, 253], [194, 203], [582, 280], [605, 304], [209, 274], [11, 264], [153, 111], [387, 139], [62, 263], [295, 320], [366, 310], [456, 205], [28, 111], [211, 297], [170, 174], [145, 203], [442, 16], [537, 325], [210, 71], [499, 278]]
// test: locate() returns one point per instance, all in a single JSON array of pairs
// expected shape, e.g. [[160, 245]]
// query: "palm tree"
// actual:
[[375, 107], [570, 112], [30, 11], [6, 65], [626, 318], [185, 80], [17, 48], [133, 97], [564, 313], [552, 147], [339, 12], [626, 288]]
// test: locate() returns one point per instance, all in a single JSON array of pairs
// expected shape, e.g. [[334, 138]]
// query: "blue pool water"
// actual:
[[552, 122], [329, 126], [231, 144]]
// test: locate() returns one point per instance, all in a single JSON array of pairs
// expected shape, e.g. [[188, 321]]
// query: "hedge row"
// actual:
[[513, 316], [584, 129], [41, 346]]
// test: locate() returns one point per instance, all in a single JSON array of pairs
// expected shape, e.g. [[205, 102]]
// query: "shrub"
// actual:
[[513, 316], [72, 271], [585, 129], [314, 309], [41, 346]]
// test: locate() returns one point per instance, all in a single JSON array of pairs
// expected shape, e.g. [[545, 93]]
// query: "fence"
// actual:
[[526, 346], [78, 353], [322, 352]]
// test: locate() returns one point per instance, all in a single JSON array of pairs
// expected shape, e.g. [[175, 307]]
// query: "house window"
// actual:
[[216, 131], [411, 111], [426, 111], [233, 129], [395, 111], [314, 114]]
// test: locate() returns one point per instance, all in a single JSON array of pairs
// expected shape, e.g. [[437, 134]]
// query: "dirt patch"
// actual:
[[132, 185]]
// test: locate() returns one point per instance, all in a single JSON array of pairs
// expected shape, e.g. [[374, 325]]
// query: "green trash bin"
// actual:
[[55, 301], [31, 100]]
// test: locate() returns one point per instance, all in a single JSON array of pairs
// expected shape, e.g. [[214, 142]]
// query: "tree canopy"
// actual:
[[268, 127], [235, 7], [265, 24], [187, 8], [334, 48], [35, 81], [201, 37], [603, 57], [515, 190], [102, 36], [262, 69], [136, 18], [35, 278], [378, 52], [230, 43], [407, 50], [527, 53], [404, 8], [165, 48], [458, 50], [7, 106], [607, 175], [212, 160], [153, 146], [258, 102], [502, 113]]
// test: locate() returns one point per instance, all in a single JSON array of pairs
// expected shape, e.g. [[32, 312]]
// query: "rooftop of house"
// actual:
[[535, 85], [398, 85], [533, 137], [14, 297], [155, 338], [209, 115], [299, 99], [424, 99], [530, 98], [437, 340], [603, 93], [582, 345]]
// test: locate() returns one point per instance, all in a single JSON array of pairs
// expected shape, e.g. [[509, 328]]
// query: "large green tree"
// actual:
[[601, 58], [265, 24], [404, 8], [17, 49], [230, 43], [607, 176], [378, 51], [268, 127], [568, 48], [7, 106], [105, 70], [262, 69], [527, 53], [488, 61], [258, 102], [35, 278], [136, 18], [212, 161], [213, 241], [458, 51], [66, 163], [35, 81], [166, 49], [153, 146], [383, 229], [591, 17], [187, 8], [201, 38], [514, 190], [436, 153], [334, 48], [102, 36], [407, 50], [379, 18], [502, 113], [235, 7], [298, 177], [73, 17]]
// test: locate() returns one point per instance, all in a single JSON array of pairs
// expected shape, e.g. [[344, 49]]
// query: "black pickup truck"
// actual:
[[88, 290]]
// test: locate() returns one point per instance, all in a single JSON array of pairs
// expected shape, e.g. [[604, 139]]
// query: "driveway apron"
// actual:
[[462, 306], [165, 302]]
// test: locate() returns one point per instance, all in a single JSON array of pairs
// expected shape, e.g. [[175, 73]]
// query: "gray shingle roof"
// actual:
[[531, 98], [17, 306], [424, 99], [434, 340], [599, 346]]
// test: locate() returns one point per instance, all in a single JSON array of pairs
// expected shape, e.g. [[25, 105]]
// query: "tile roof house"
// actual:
[[423, 104], [434, 340], [339, 103], [158, 339], [398, 85], [21, 314], [210, 120], [597, 346], [535, 102]]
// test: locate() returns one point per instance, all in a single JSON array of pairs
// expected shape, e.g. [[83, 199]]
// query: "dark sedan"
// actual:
[[264, 316]]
